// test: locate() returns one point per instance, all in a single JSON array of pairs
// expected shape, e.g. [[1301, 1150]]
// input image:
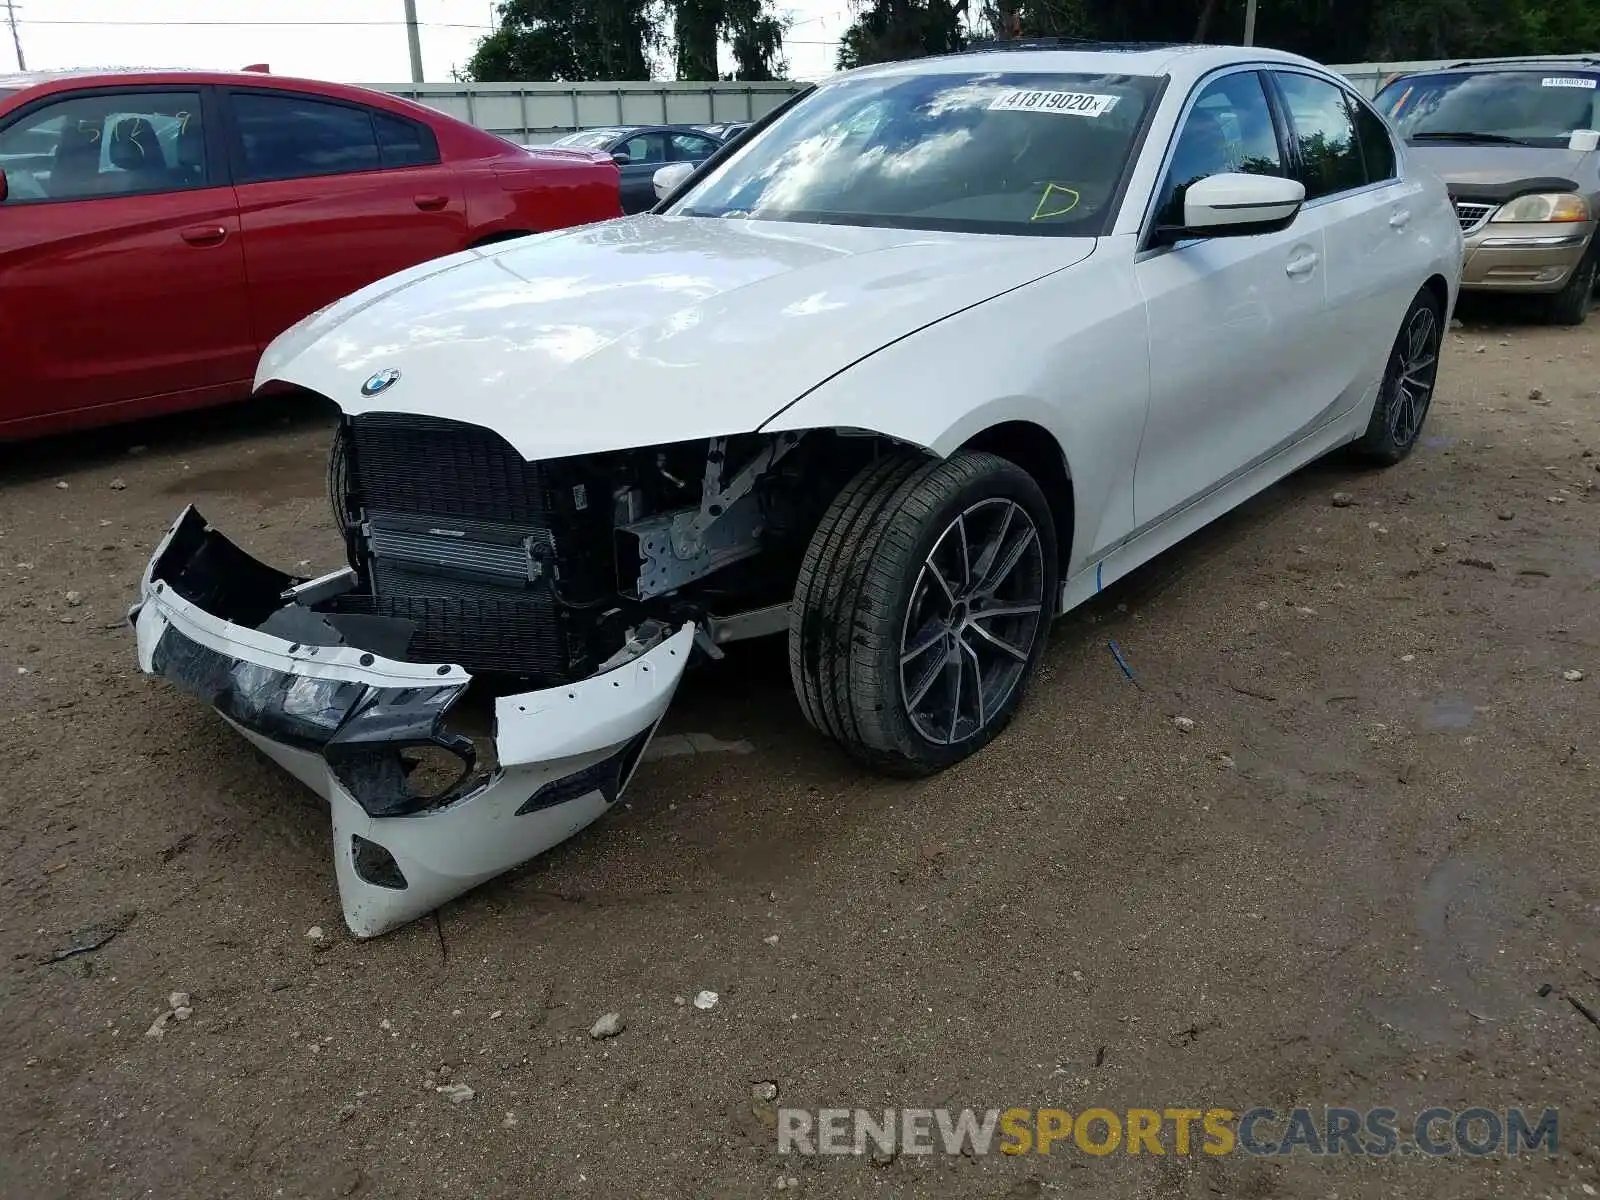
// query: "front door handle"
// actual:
[[1302, 264], [430, 203], [204, 235], [1400, 218]]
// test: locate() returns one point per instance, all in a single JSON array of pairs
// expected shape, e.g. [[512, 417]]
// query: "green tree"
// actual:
[[568, 41], [889, 30], [750, 27]]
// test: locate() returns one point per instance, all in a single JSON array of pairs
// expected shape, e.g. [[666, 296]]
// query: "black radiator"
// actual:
[[478, 546]]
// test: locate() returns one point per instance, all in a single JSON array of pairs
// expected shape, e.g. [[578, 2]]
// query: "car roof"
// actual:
[[1509, 64], [1182, 61], [113, 76]]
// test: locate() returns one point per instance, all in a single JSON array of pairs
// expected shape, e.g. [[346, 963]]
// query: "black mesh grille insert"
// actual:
[[441, 468], [466, 489]]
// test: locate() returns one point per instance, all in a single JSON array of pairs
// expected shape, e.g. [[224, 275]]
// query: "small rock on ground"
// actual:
[[608, 1026], [1183, 724], [1572, 676], [706, 1000], [456, 1093]]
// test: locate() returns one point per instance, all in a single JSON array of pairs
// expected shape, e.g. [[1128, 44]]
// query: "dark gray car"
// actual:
[[641, 150]]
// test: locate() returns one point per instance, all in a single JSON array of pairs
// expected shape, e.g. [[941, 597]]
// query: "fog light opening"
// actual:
[[433, 772], [375, 865]]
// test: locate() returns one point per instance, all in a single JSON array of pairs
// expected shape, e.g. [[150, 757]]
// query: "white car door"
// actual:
[[1231, 319], [1343, 154]]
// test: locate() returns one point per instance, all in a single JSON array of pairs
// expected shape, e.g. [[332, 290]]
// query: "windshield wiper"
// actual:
[[1499, 139]]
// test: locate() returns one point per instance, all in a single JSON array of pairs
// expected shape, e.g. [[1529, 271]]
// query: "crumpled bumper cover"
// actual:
[[338, 718]]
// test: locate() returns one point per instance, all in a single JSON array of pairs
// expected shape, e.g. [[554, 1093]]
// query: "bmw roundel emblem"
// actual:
[[381, 382]]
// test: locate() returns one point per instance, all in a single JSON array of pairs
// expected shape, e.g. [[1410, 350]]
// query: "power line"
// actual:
[[249, 24]]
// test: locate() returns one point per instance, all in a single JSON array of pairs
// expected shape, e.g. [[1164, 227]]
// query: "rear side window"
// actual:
[[1324, 135], [291, 137], [1377, 146], [403, 143]]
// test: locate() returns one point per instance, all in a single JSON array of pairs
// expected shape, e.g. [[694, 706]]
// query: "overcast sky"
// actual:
[[305, 37]]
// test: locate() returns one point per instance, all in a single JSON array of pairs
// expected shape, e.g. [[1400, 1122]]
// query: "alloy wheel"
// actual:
[[1413, 370], [975, 613]]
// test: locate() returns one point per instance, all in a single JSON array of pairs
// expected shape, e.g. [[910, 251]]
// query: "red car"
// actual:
[[159, 228]]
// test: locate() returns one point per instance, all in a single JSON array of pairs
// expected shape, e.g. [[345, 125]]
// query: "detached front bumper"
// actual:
[[342, 719]]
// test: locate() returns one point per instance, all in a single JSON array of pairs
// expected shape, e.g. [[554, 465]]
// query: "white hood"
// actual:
[[646, 330]]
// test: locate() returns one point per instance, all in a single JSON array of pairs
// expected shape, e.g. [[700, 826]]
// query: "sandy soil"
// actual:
[[1348, 885]]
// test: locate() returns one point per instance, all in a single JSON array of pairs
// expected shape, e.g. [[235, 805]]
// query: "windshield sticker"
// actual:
[[1572, 81], [1077, 104], [1058, 200]]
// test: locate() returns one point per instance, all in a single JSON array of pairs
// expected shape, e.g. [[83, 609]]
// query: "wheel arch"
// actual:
[[1037, 451], [1440, 289]]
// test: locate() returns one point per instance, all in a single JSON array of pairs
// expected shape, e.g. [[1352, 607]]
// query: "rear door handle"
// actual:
[[1302, 264], [204, 235], [1400, 218], [430, 203]]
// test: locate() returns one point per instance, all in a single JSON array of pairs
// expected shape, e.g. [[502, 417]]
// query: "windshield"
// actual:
[[588, 139], [1540, 108], [975, 152]]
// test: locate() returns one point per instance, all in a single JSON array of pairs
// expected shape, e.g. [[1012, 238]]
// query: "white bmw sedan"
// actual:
[[925, 359]]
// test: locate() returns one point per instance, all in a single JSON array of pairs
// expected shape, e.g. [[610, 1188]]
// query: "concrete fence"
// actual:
[[542, 112]]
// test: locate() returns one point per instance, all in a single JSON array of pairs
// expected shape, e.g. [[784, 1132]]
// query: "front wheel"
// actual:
[[1407, 388], [1570, 306], [922, 608]]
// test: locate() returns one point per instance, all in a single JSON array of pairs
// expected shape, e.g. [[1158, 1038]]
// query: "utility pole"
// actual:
[[415, 38], [1250, 23], [16, 38]]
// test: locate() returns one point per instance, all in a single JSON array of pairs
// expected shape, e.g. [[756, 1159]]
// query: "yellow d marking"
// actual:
[[1057, 201]]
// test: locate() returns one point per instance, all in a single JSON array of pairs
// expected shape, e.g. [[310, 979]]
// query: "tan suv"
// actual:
[[1515, 141]]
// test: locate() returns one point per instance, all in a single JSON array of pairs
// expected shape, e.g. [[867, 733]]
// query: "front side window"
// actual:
[[1324, 135], [981, 152], [1229, 129], [92, 146], [291, 137], [645, 148], [1533, 108]]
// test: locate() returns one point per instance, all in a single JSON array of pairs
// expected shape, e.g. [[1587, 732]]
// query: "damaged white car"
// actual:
[[927, 359]]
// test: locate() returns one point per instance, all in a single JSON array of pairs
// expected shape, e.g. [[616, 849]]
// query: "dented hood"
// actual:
[[645, 330]]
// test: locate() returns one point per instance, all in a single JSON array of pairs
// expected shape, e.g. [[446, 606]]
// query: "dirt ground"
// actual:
[[1369, 875]]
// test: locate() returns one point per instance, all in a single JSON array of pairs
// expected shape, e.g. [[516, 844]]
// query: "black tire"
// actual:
[[870, 583], [1570, 306], [1408, 381]]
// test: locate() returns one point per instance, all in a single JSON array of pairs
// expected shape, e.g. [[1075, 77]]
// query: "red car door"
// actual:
[[332, 196], [121, 266]]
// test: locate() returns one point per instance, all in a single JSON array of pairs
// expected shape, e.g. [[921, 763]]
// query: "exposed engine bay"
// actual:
[[462, 551]]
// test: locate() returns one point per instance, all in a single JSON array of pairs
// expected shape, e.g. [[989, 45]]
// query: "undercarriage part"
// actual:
[[758, 622]]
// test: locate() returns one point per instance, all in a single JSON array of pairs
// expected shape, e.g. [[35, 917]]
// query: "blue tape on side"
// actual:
[[1099, 571]]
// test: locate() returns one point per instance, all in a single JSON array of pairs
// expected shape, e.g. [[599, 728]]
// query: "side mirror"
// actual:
[[620, 157], [668, 179], [1234, 205]]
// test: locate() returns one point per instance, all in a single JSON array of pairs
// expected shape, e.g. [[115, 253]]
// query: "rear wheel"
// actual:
[[922, 609], [1570, 306], [1407, 388]]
